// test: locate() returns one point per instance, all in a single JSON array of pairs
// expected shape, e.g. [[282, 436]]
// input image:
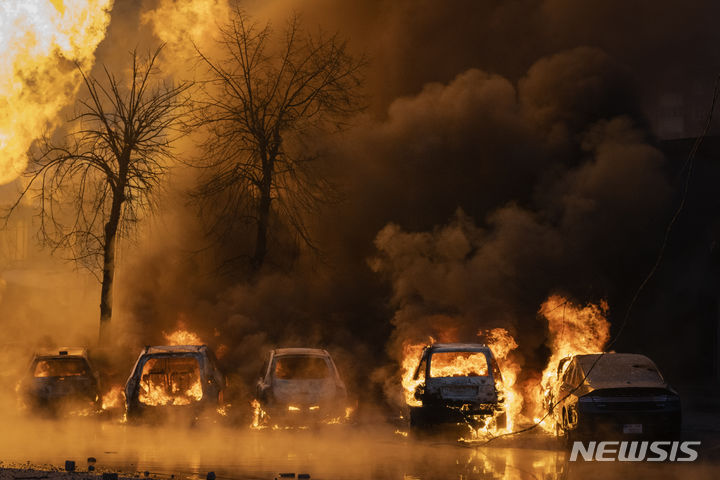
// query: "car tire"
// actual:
[[418, 418]]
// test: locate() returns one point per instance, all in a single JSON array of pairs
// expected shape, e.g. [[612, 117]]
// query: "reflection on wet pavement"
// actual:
[[330, 454]]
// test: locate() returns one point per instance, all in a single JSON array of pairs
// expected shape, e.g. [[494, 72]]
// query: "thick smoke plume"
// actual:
[[591, 191]]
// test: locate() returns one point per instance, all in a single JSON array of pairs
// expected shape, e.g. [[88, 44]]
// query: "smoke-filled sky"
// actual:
[[506, 153]]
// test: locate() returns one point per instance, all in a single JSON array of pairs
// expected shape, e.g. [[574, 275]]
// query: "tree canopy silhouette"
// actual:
[[267, 95]]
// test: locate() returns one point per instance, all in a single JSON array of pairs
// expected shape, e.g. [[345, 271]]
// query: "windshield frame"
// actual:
[[431, 354]]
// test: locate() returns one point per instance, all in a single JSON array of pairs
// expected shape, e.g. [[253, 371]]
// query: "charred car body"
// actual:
[[170, 381], [612, 395], [460, 385], [61, 382], [300, 386]]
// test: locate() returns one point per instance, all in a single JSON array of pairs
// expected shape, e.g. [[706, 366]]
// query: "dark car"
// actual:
[[300, 386], [60, 383], [459, 387], [612, 395], [174, 381]]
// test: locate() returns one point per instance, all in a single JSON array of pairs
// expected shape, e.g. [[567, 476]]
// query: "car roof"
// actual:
[[615, 368], [316, 352], [63, 352], [459, 347], [159, 349], [614, 358]]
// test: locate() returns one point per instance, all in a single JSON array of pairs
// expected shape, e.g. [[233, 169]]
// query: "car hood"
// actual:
[[54, 386], [304, 392], [628, 384]]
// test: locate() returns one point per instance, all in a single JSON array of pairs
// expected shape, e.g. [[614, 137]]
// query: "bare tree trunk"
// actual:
[[107, 279], [111, 229], [263, 223], [263, 211]]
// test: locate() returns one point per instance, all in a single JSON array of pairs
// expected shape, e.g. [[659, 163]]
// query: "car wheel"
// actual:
[[417, 418], [562, 433]]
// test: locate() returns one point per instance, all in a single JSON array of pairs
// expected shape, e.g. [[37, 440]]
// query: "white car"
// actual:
[[301, 386]]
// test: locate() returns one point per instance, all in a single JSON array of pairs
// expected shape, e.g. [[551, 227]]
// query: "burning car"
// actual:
[[61, 382], [459, 384], [174, 380], [300, 386], [612, 395]]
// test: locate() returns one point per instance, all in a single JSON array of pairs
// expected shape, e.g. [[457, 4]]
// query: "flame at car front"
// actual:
[[157, 394], [411, 357], [502, 344]]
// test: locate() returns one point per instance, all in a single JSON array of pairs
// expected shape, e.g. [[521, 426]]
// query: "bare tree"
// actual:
[[92, 184], [266, 95]]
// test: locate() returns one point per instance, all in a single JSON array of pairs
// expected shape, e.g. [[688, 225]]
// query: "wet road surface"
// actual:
[[331, 453]]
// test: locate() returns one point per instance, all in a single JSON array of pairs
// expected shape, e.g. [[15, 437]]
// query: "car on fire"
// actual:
[[174, 382], [612, 395], [300, 387], [61, 382], [460, 384]]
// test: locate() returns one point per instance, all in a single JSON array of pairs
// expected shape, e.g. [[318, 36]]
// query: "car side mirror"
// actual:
[[419, 392]]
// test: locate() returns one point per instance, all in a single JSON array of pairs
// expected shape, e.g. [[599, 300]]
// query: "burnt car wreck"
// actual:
[[459, 386], [612, 395], [61, 383], [300, 387], [174, 381]]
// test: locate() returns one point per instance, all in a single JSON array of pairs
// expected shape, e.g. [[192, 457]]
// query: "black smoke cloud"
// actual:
[[664, 44], [558, 190]]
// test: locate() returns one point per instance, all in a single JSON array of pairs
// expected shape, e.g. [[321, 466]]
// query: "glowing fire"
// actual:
[[502, 344], [40, 39], [411, 357], [156, 394], [170, 381], [258, 415], [459, 365], [114, 398], [182, 337], [574, 330]]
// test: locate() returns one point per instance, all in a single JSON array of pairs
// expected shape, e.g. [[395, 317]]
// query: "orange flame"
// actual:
[[574, 330], [411, 358], [40, 39], [258, 415], [114, 398], [182, 337], [502, 344], [156, 394]]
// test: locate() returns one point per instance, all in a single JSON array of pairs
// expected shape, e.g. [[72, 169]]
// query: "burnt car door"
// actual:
[[571, 378], [214, 378]]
